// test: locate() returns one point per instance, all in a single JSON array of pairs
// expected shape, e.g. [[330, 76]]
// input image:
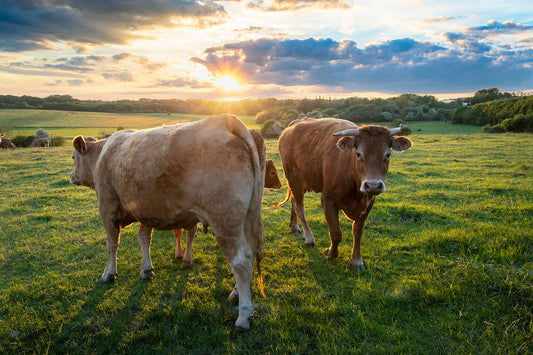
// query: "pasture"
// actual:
[[448, 254]]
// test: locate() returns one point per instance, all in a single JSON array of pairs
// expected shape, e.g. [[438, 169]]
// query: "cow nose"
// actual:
[[373, 187]]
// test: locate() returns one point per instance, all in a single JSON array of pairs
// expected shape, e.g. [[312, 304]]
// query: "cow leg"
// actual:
[[239, 254], [187, 259], [294, 220], [357, 230], [331, 213], [178, 254], [145, 240], [112, 242], [298, 203]]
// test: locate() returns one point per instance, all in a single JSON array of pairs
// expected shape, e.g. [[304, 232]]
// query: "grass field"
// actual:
[[448, 250]]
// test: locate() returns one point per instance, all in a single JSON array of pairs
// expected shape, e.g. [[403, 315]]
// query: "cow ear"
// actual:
[[400, 144], [346, 143], [79, 144]]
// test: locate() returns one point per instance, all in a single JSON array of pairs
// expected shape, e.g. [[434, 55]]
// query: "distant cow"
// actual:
[[39, 142], [271, 182], [349, 172], [171, 177], [6, 143]]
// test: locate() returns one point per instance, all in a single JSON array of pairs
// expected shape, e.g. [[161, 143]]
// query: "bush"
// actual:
[[41, 133], [330, 112], [271, 129], [517, 123], [270, 114], [57, 142], [22, 141]]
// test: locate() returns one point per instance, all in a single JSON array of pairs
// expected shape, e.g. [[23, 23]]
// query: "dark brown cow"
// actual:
[[6, 143], [349, 172], [171, 177], [271, 182]]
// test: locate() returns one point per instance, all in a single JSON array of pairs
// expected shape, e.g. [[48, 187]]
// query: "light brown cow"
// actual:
[[271, 182], [349, 172], [172, 177], [39, 142]]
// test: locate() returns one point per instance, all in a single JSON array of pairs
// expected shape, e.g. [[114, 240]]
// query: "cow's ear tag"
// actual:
[[346, 143], [79, 144], [400, 144]]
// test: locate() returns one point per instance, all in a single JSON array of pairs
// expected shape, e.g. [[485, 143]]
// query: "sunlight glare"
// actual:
[[228, 83]]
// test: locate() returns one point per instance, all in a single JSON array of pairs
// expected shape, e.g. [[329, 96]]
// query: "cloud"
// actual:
[[392, 66], [181, 82], [75, 82], [41, 24], [122, 76], [297, 5]]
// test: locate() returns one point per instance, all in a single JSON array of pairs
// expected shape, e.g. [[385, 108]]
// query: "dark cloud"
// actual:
[[296, 5], [38, 24], [393, 66]]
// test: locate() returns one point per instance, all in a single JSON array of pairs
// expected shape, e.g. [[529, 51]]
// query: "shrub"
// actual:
[[57, 141], [271, 129], [517, 123], [22, 141], [41, 133], [270, 114], [330, 112]]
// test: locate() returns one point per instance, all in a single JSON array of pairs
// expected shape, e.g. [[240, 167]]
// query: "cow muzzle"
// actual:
[[373, 187]]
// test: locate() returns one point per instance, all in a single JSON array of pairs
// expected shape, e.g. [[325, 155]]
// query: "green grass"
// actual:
[[448, 251]]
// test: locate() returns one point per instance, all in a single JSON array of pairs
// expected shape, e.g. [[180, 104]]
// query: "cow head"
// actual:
[[371, 146], [85, 155], [271, 176]]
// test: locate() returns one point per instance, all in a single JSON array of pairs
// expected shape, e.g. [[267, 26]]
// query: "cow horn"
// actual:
[[395, 131], [347, 132]]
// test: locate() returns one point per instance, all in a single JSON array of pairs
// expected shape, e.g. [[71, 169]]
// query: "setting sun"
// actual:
[[228, 83]]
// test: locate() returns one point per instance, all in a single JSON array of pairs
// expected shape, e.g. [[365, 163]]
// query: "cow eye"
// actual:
[[358, 155], [387, 156]]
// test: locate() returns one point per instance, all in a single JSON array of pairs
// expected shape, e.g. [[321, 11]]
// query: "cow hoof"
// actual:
[[310, 244], [147, 274], [108, 278], [359, 267], [330, 255], [296, 230], [240, 330], [187, 264]]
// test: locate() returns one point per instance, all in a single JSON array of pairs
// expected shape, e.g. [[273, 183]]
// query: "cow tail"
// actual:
[[283, 203], [257, 152]]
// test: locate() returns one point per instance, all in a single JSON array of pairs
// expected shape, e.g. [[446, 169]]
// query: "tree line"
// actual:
[[495, 110]]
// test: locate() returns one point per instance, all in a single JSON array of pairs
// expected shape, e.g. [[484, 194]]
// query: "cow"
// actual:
[[349, 173], [171, 177], [6, 143], [271, 182], [39, 142]]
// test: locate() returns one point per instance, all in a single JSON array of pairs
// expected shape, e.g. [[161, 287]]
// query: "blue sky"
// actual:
[[130, 49]]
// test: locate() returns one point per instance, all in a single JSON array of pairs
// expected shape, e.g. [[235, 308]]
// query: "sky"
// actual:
[[185, 49]]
